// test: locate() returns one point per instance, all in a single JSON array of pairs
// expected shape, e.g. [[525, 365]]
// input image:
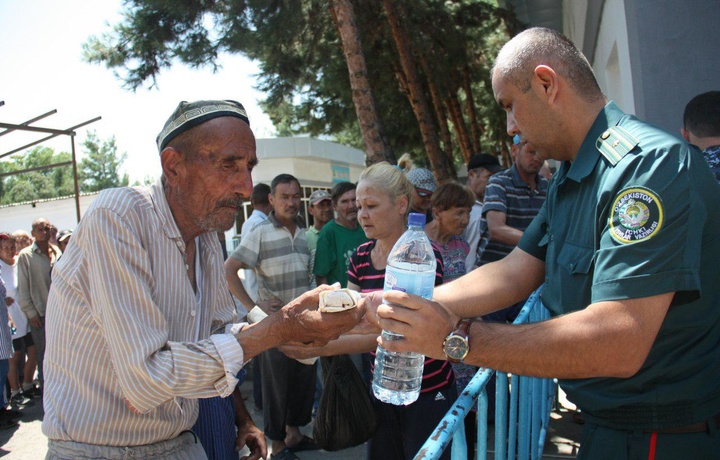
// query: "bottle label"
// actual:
[[412, 282]]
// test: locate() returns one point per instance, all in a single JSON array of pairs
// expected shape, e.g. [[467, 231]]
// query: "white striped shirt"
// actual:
[[121, 358]]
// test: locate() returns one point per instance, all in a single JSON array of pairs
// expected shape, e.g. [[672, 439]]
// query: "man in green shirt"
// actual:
[[627, 246], [338, 238]]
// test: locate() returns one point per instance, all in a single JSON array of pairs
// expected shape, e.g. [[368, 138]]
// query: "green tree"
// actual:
[[39, 184], [436, 51], [101, 168]]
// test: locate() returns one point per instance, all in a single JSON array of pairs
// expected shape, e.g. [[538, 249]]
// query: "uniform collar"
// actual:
[[588, 155]]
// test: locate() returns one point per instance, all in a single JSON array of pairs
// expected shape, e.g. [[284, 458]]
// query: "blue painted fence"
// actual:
[[520, 426]]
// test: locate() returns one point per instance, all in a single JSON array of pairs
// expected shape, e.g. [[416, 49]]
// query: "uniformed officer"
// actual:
[[627, 245]]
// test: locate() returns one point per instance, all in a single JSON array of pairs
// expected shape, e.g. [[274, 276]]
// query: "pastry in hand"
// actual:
[[339, 300]]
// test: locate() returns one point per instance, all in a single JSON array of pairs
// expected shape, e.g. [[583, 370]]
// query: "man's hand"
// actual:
[[270, 306], [369, 323], [248, 433], [301, 321], [35, 322], [9, 301], [424, 323]]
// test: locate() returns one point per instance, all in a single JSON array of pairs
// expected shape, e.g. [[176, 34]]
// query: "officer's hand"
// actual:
[[424, 323]]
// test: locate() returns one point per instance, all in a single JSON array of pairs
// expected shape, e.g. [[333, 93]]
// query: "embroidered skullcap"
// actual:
[[188, 115]]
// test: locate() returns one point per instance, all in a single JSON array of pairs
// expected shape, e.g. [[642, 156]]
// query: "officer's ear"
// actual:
[[546, 80]]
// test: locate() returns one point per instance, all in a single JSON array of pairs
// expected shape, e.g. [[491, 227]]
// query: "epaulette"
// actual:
[[614, 143]]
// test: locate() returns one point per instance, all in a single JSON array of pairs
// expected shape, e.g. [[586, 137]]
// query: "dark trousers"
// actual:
[[404, 429], [288, 388], [599, 443], [38, 336]]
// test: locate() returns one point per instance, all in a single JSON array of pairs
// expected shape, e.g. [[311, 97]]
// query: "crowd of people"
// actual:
[[624, 239]]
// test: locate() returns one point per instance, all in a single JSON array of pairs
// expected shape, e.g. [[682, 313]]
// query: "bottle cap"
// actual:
[[416, 219]]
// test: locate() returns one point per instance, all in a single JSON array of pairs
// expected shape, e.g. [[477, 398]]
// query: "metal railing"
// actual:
[[520, 423]]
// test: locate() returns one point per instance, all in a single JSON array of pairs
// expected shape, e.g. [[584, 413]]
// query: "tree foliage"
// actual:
[[449, 44], [101, 167], [99, 170]]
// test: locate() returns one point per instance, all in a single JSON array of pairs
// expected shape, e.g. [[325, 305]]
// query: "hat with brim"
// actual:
[[188, 115], [319, 195], [484, 160], [422, 179], [64, 234]]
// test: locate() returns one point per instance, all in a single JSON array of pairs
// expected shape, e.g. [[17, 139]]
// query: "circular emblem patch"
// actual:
[[637, 214]]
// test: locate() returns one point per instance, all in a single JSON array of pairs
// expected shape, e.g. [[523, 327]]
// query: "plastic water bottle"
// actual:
[[410, 268]]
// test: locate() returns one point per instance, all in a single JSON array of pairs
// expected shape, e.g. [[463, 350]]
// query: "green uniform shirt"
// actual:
[[635, 215], [334, 247]]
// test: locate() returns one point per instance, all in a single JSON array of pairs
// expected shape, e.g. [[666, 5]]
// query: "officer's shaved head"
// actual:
[[518, 59]]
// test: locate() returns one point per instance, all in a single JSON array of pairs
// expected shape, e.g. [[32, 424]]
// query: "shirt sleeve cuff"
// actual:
[[231, 355]]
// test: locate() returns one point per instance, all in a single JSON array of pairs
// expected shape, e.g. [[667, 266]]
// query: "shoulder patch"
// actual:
[[614, 143], [637, 214]]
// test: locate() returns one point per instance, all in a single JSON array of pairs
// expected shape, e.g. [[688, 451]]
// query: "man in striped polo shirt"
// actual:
[[278, 251]]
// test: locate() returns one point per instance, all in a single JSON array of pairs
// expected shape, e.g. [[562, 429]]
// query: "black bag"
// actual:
[[346, 416]]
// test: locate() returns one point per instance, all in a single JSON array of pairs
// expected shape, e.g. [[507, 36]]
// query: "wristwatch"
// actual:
[[457, 344]]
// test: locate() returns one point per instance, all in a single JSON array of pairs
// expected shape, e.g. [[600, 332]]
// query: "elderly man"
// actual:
[[627, 245], [139, 315]]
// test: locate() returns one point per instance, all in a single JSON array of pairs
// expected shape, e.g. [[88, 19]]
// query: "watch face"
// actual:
[[456, 347]]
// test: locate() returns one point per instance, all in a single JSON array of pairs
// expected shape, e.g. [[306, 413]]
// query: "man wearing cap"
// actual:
[[140, 316], [320, 208], [424, 185], [64, 238], [339, 238], [480, 167]]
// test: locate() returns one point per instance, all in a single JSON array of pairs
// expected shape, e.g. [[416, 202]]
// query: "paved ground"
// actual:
[[26, 442]]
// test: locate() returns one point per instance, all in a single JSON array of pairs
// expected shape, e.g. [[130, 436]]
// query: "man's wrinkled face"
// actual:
[[217, 178], [322, 211], [346, 208], [286, 200], [41, 230]]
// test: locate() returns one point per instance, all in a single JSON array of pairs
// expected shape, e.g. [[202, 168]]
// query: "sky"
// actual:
[[41, 69]]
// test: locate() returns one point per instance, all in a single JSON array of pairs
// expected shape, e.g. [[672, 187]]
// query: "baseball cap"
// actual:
[[423, 180], [319, 195], [64, 234], [4, 236], [484, 160]]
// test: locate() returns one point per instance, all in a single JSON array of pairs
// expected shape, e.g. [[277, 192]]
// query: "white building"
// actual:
[[316, 164]]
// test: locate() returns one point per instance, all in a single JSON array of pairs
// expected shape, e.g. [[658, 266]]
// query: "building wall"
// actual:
[[673, 48], [611, 61]]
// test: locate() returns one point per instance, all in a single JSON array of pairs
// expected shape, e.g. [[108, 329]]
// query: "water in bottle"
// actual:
[[410, 268]]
